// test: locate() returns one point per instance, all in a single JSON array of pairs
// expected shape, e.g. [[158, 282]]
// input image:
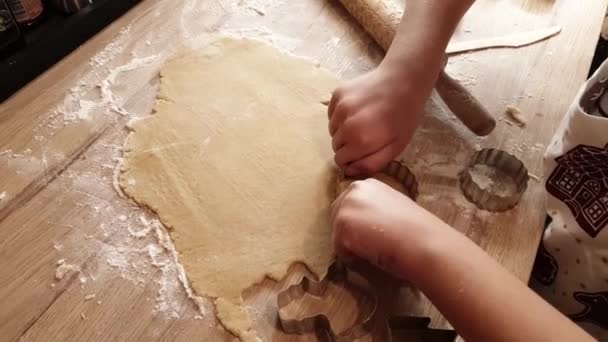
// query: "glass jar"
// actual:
[[9, 30], [26, 11]]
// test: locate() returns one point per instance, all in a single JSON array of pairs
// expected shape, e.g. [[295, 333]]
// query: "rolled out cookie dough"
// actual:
[[237, 163]]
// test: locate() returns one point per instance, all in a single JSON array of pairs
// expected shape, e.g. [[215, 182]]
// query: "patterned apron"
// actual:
[[571, 267]]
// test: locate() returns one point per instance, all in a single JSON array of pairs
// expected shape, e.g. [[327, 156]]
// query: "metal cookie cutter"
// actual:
[[483, 192], [320, 324], [400, 172], [416, 329], [396, 170]]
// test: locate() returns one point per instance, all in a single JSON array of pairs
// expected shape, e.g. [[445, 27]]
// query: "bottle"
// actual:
[[9, 30], [26, 11]]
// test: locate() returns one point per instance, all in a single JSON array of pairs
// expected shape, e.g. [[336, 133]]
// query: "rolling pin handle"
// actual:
[[380, 20], [464, 105]]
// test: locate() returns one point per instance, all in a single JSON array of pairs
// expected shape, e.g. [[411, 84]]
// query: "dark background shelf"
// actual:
[[53, 37]]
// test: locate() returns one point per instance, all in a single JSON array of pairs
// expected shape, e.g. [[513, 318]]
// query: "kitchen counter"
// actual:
[[80, 262]]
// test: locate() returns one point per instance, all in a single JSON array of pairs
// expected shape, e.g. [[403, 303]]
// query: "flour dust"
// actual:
[[493, 180]]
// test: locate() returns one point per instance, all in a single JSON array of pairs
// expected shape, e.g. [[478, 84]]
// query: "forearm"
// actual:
[[422, 37], [482, 300]]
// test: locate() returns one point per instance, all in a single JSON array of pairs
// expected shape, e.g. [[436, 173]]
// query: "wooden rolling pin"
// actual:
[[380, 18]]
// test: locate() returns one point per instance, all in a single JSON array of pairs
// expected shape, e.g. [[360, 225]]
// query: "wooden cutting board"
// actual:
[[61, 136]]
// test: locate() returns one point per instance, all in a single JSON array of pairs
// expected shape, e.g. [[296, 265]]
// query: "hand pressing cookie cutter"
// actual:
[[412, 328], [504, 163], [320, 324], [400, 172], [395, 170]]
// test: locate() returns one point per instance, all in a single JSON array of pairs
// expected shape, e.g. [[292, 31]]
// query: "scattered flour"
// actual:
[[115, 256], [142, 232], [2, 195], [129, 240], [107, 96], [63, 269], [516, 116], [493, 180], [112, 49], [85, 109], [534, 177], [263, 33]]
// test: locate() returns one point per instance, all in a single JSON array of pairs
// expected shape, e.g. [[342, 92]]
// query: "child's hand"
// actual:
[[373, 118], [382, 226]]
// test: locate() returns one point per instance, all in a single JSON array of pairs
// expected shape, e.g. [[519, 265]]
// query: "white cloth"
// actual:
[[571, 268]]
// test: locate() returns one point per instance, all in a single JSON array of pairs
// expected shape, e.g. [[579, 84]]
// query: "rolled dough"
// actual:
[[237, 163]]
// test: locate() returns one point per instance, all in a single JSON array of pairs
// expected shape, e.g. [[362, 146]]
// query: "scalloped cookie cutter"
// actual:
[[319, 323], [395, 171], [485, 191], [400, 172]]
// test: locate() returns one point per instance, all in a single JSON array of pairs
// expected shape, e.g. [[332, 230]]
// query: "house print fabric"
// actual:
[[580, 180], [571, 268]]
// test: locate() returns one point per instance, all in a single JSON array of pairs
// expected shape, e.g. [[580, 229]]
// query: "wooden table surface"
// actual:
[[62, 135]]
